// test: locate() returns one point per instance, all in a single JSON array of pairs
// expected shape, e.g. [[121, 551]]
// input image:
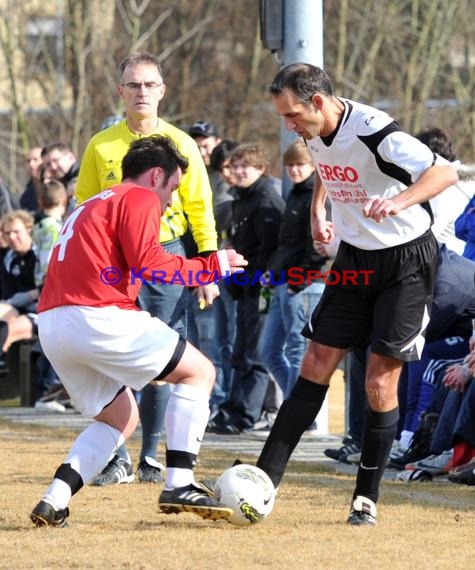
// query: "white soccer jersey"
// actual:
[[368, 156]]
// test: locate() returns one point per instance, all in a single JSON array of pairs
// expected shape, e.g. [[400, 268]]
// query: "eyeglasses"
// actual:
[[149, 85]]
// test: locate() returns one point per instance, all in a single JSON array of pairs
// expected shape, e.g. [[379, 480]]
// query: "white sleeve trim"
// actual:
[[224, 267]]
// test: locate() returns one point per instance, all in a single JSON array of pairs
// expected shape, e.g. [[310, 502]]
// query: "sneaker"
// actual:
[[417, 475], [52, 406], [342, 453], [261, 428], [363, 512], [44, 514], [464, 467], [150, 471], [55, 399], [436, 464], [463, 474], [192, 499], [397, 450], [353, 458], [228, 429], [117, 471], [420, 445]]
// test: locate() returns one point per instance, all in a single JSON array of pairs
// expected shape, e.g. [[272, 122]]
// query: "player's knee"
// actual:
[[380, 394], [130, 424], [205, 374], [315, 366]]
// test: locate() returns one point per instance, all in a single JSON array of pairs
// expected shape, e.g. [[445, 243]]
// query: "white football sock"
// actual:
[[186, 419], [88, 455]]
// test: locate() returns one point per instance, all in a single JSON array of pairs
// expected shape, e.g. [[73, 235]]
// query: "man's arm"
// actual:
[[322, 229], [433, 181]]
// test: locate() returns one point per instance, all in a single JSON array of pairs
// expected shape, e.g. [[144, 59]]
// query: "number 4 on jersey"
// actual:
[[67, 232]]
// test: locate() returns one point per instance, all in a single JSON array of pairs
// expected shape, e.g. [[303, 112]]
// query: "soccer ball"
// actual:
[[248, 491]]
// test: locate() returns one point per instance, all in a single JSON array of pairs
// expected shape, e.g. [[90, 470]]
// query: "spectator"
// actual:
[[220, 162], [216, 322], [447, 339], [17, 272], [447, 205], [50, 393], [282, 345], [29, 198], [464, 429], [59, 163], [142, 88], [206, 137], [452, 446], [256, 214], [53, 201]]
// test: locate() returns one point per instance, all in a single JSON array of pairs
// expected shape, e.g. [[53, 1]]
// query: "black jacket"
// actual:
[[295, 236], [256, 217], [17, 272]]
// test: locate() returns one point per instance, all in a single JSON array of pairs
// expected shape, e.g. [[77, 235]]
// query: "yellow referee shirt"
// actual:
[[101, 168]]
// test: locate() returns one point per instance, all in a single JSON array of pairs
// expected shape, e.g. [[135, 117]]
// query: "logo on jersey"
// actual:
[[111, 176], [335, 172]]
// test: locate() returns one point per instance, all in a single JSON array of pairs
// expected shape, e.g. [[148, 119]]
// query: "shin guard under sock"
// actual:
[[295, 415], [378, 436]]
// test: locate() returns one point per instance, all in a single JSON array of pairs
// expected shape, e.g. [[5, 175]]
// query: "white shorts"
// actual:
[[97, 350]]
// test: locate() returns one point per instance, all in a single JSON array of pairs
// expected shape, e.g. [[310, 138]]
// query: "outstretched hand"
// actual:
[[236, 261]]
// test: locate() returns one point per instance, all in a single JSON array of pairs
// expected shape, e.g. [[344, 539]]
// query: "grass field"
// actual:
[[421, 525]]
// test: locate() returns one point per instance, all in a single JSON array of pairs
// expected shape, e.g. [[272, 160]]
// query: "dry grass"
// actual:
[[428, 525]]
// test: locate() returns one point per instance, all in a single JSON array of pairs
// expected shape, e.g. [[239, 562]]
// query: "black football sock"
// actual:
[[378, 436], [295, 416]]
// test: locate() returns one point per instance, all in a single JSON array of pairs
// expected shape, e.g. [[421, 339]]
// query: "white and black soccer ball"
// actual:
[[248, 491]]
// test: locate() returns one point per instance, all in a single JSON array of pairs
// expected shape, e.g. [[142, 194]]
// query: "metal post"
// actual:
[[303, 41]]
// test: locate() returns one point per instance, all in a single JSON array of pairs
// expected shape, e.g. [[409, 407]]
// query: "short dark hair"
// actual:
[[150, 152], [221, 152], [62, 147], [136, 59], [438, 142], [303, 79]]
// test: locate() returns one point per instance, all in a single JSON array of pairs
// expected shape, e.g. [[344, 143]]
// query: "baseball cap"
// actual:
[[203, 129]]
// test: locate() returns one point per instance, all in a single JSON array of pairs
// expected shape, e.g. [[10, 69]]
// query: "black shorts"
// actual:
[[380, 298]]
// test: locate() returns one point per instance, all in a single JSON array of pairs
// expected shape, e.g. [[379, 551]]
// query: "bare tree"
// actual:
[[414, 58]]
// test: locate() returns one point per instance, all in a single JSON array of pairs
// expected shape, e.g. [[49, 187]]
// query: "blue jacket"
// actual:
[[465, 229]]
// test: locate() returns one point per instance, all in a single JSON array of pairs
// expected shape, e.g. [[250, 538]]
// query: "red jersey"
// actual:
[[109, 245]]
